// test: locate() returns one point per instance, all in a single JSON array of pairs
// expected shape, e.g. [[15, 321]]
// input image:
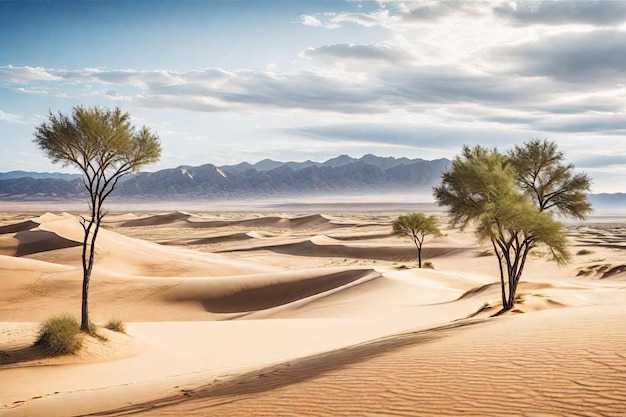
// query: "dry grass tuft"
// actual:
[[116, 325], [60, 334]]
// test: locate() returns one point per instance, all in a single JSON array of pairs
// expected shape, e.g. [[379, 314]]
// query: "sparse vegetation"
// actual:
[[429, 265], [60, 334], [416, 226], [116, 325], [104, 146], [511, 199]]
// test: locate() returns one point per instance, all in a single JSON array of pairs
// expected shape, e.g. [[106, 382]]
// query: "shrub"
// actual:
[[429, 265], [116, 325], [60, 334]]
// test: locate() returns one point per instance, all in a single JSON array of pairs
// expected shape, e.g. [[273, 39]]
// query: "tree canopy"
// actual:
[[104, 146], [416, 226], [540, 172], [510, 199]]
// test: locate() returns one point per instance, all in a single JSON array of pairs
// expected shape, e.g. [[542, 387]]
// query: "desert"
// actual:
[[290, 310], [312, 208]]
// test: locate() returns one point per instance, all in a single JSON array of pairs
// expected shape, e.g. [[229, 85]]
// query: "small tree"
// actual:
[[510, 198], [416, 226], [104, 146]]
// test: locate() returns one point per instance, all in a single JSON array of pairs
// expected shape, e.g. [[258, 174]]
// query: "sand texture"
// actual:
[[299, 313]]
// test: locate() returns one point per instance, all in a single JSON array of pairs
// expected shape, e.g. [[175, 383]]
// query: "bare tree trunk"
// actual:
[[86, 258], [419, 255], [88, 261], [84, 317]]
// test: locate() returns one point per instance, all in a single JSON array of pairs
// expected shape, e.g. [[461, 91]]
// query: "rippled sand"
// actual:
[[301, 313]]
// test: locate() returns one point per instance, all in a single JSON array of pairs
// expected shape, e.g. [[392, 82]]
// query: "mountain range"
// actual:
[[266, 178]]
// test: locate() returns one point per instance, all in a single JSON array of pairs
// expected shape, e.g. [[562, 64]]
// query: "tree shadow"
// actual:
[[288, 373], [24, 356]]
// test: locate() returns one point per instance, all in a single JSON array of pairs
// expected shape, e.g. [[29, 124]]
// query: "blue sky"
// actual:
[[229, 81]]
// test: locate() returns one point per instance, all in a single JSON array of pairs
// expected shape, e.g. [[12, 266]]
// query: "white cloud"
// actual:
[[425, 72], [25, 74], [312, 21], [597, 56], [380, 18], [10, 118], [551, 12], [343, 51]]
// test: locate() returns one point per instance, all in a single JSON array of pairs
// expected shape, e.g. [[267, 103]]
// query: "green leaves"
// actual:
[[540, 173], [97, 141], [104, 145], [416, 224], [511, 198], [477, 178]]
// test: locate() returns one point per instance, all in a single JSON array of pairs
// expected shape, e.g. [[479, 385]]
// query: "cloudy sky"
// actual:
[[229, 81]]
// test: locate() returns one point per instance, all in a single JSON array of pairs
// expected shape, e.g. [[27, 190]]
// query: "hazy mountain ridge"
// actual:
[[38, 175], [265, 178]]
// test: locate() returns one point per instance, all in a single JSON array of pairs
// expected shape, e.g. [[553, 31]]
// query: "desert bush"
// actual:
[[116, 325], [429, 265], [60, 334], [584, 252]]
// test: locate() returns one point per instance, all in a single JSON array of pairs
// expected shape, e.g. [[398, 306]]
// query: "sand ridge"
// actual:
[[307, 314]]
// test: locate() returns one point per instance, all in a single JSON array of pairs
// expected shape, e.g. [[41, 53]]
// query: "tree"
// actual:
[[104, 146], [511, 199], [416, 226], [552, 185]]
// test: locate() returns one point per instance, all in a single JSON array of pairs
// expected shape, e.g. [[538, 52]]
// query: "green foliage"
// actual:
[[416, 226], [476, 178], [100, 142], [60, 334], [104, 146], [116, 325], [552, 186], [510, 199]]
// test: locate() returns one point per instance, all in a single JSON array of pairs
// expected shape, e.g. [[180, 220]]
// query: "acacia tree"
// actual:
[[416, 226], [511, 199], [551, 185], [104, 146]]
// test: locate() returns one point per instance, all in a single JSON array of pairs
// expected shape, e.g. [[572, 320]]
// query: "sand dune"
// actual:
[[230, 237], [554, 362], [128, 256], [310, 315], [325, 246], [154, 220], [18, 227], [602, 271], [248, 294]]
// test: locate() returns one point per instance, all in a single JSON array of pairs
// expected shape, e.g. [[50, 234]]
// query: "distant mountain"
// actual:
[[40, 188], [266, 178], [36, 175], [340, 160], [342, 174], [608, 200]]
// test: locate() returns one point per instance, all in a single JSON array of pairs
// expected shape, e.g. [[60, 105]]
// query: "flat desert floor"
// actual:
[[308, 313]]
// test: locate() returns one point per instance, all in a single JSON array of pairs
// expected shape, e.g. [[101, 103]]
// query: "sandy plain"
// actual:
[[308, 310]]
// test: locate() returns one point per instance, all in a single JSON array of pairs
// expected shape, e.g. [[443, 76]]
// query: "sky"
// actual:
[[224, 82]]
